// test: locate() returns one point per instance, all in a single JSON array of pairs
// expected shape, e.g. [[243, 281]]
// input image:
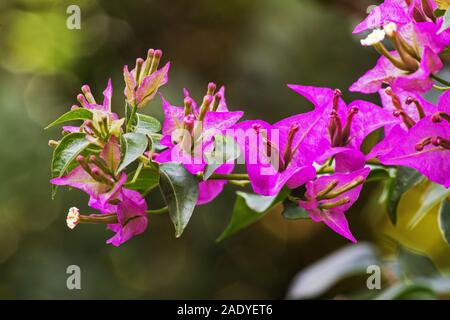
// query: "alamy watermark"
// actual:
[[374, 280], [73, 281], [73, 21]]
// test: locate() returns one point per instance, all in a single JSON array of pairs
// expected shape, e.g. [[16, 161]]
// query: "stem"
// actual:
[[158, 211], [439, 79], [112, 217], [325, 169], [130, 119], [138, 171], [239, 183], [441, 88], [374, 161], [98, 219], [293, 199]]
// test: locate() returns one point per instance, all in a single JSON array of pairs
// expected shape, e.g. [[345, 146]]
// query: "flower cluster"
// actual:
[[118, 161]]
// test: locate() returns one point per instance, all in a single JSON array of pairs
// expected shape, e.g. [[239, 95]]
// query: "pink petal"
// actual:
[[130, 84], [107, 94], [150, 84]]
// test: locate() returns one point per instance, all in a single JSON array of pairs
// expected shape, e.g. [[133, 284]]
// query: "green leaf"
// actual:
[[248, 209], [180, 191], [225, 150], [405, 179], [439, 12], [76, 114], [68, 148], [440, 284], [446, 22], [292, 211], [414, 264], [444, 220], [133, 146], [147, 180], [318, 278], [378, 175], [432, 196], [146, 124], [156, 140]]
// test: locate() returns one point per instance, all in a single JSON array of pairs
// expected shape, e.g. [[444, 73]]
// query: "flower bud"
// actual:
[[82, 100], [207, 100], [138, 70], [337, 203], [256, 127], [407, 120], [436, 118], [155, 62], [337, 94], [348, 124], [189, 120], [428, 10], [418, 147], [211, 88], [80, 158], [436, 141], [419, 107], [53, 143], [422, 143], [394, 98], [187, 105], [217, 100], [88, 94], [289, 151]]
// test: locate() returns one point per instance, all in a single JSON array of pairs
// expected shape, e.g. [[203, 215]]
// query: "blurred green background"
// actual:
[[255, 48]]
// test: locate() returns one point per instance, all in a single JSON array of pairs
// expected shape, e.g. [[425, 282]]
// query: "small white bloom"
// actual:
[[73, 216], [390, 28], [375, 37]]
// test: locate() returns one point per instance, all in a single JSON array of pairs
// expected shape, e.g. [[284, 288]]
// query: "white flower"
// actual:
[[73, 216], [375, 37], [390, 28]]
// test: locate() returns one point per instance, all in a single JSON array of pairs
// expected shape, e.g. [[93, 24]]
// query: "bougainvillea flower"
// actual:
[[409, 107], [385, 72], [189, 131], [329, 197], [419, 14], [341, 129], [96, 176], [131, 215], [389, 11], [104, 122], [278, 155], [424, 147], [399, 12], [142, 83], [417, 41]]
